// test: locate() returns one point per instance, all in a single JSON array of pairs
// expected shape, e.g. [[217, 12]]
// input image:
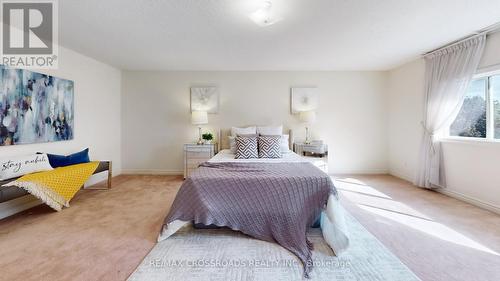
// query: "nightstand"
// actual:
[[195, 154], [316, 152]]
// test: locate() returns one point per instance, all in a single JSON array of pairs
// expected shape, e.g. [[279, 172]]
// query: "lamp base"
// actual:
[[200, 141], [307, 141]]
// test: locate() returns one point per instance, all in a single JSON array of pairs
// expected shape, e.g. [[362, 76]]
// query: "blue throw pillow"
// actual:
[[72, 159]]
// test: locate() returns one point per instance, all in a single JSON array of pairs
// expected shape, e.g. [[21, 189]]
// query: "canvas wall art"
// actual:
[[205, 99], [303, 99], [34, 107]]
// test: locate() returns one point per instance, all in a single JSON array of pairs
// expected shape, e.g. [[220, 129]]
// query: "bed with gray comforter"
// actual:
[[274, 202]]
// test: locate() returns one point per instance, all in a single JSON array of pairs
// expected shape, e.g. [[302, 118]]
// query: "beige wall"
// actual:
[[470, 166], [156, 116], [97, 119], [371, 120], [97, 110], [405, 111]]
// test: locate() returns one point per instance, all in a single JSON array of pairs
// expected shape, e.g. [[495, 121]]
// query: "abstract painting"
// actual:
[[205, 99], [303, 99], [34, 107]]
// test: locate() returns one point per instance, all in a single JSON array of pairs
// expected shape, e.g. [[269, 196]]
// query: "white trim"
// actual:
[[490, 115], [476, 202], [466, 140], [152, 172], [401, 175], [489, 70], [17, 205], [459, 196], [180, 173], [359, 171], [485, 74]]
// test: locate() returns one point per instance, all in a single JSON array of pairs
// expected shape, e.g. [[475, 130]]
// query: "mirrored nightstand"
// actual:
[[316, 152], [195, 154]]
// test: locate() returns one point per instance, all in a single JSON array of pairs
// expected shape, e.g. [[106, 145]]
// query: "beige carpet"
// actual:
[[106, 234], [436, 236], [218, 255], [103, 235]]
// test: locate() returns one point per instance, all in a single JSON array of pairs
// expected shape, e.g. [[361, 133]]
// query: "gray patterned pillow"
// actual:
[[270, 147], [246, 147]]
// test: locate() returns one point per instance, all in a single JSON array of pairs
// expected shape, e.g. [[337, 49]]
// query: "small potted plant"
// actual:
[[207, 138]]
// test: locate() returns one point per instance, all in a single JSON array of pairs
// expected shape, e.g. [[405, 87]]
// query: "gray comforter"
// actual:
[[274, 202]]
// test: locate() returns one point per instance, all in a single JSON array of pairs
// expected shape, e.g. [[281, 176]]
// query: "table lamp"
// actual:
[[307, 117], [199, 118]]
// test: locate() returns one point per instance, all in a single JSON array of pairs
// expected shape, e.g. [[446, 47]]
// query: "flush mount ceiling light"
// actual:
[[264, 16]]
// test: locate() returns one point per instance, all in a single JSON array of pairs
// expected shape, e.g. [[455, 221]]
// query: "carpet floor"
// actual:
[[436, 236], [106, 234], [222, 254]]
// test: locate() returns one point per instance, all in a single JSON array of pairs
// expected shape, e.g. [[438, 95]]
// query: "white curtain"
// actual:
[[448, 74]]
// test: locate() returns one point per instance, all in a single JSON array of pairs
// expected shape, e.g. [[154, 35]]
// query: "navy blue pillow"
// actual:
[[72, 159]]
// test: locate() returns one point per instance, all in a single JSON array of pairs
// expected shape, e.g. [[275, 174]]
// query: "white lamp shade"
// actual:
[[199, 117], [307, 116]]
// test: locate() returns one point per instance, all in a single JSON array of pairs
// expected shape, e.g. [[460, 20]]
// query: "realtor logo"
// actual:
[[29, 33]]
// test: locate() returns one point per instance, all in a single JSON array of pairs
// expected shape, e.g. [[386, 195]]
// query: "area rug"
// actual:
[[222, 254]]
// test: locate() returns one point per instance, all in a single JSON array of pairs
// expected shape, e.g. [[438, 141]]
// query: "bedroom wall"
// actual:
[[471, 166], [156, 115], [97, 115], [405, 111]]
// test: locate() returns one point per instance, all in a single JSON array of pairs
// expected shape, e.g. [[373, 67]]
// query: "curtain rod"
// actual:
[[488, 30]]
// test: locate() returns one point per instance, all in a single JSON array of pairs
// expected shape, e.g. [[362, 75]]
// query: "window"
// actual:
[[495, 94], [479, 116]]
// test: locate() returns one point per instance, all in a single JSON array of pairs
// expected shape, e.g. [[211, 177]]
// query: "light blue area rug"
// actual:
[[193, 254]]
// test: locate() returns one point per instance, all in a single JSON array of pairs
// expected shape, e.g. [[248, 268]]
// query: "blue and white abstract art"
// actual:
[[34, 107]]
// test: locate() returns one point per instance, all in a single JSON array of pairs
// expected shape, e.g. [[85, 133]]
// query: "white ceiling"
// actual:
[[313, 35]]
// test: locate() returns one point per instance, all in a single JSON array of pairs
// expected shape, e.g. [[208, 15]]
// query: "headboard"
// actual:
[[225, 133]]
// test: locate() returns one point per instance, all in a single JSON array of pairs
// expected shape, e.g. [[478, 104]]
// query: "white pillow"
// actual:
[[284, 143], [243, 131], [232, 144], [21, 165], [270, 130]]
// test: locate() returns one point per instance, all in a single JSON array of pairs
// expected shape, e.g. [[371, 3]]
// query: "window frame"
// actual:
[[490, 118]]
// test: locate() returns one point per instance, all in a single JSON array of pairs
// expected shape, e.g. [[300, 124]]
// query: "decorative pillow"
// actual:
[[270, 130], [246, 147], [243, 131], [270, 146], [285, 148], [18, 166], [232, 144], [72, 159]]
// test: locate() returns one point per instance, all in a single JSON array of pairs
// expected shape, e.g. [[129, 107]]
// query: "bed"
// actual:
[[274, 200]]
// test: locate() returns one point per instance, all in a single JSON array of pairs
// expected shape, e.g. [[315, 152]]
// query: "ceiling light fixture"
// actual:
[[264, 16]]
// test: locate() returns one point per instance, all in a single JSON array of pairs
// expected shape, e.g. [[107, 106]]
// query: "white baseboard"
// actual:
[[152, 172], [17, 205], [358, 172], [476, 202], [180, 172], [456, 195], [401, 175]]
